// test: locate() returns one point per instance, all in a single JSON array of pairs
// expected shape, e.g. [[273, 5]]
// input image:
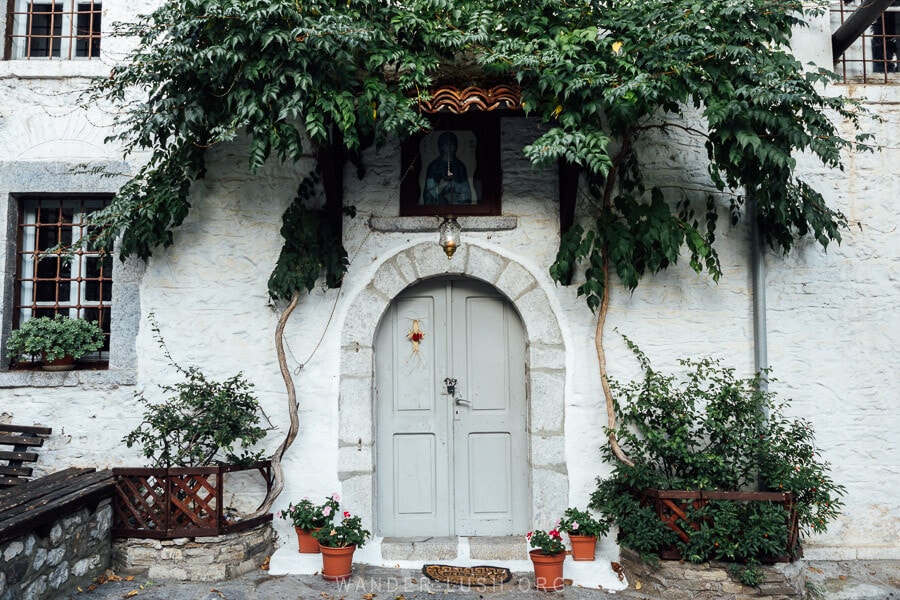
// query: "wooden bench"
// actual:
[[22, 439], [38, 502]]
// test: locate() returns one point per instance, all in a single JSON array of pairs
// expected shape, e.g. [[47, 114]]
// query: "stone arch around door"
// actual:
[[545, 377]]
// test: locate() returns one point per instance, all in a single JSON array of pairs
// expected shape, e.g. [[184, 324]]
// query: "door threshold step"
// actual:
[[448, 548]]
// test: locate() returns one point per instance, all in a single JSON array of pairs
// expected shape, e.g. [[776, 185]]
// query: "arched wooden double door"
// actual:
[[451, 444]]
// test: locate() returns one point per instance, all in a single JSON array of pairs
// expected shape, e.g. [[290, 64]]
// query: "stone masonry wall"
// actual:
[[210, 558], [55, 560], [677, 580]]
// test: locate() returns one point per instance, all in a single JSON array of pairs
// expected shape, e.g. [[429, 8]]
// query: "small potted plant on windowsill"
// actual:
[[547, 558], [583, 530], [338, 542], [59, 341], [308, 518]]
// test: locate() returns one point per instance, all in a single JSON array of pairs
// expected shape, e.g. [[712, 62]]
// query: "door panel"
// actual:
[[414, 390], [413, 496], [487, 366], [415, 467], [491, 480], [451, 464], [489, 489]]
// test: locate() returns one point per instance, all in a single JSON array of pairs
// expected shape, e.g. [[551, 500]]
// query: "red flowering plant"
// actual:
[[548, 542], [309, 516], [349, 532]]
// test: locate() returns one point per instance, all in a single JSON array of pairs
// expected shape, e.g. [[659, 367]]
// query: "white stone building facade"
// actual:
[[832, 328]]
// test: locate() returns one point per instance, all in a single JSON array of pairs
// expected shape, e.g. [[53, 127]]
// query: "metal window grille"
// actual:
[[78, 285], [62, 29], [874, 57]]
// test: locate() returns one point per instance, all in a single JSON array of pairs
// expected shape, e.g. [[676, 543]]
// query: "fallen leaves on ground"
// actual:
[[815, 570], [265, 565], [108, 576], [131, 594], [620, 571], [215, 591], [369, 596], [637, 585]]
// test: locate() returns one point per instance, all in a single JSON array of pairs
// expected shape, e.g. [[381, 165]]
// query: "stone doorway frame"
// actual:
[[545, 373]]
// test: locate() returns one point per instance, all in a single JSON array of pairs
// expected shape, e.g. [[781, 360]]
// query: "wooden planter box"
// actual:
[[178, 502], [671, 507]]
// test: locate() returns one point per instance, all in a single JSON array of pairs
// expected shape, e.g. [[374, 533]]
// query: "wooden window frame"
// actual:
[[27, 276], [75, 29]]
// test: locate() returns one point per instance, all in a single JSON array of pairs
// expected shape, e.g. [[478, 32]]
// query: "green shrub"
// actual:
[[204, 421], [709, 430]]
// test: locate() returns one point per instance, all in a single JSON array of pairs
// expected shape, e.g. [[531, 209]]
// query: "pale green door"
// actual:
[[451, 463]]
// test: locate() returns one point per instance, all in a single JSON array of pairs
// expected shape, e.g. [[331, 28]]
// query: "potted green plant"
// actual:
[[547, 558], [699, 442], [59, 341], [583, 529], [337, 543], [204, 429], [308, 518], [202, 422]]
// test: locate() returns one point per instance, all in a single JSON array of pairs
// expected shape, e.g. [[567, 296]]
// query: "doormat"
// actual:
[[481, 575]]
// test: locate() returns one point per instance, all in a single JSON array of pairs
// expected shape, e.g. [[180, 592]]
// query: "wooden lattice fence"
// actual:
[[178, 502], [672, 507]]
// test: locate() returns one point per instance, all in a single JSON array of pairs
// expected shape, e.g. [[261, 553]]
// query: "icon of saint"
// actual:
[[447, 180]]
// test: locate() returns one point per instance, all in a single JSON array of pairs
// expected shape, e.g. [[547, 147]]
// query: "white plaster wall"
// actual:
[[832, 330]]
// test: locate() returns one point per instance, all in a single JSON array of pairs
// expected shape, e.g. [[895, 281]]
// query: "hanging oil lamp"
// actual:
[[449, 239]]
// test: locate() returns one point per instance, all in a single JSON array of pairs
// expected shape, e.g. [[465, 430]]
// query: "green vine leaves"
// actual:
[[310, 247], [293, 77]]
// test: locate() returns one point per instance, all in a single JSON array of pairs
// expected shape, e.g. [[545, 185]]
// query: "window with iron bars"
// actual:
[[873, 58], [64, 29], [79, 284]]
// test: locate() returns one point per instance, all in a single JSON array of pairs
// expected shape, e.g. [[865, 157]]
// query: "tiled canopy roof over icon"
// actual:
[[459, 100]]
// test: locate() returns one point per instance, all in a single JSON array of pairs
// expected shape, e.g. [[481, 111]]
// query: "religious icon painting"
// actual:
[[452, 169]]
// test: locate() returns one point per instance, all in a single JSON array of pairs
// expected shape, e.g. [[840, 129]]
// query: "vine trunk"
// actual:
[[277, 469]]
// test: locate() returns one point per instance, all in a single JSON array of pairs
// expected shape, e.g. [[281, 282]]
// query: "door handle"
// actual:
[[462, 401]]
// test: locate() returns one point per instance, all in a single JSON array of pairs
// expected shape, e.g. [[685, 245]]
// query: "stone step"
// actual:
[[512, 547], [446, 548], [419, 548]]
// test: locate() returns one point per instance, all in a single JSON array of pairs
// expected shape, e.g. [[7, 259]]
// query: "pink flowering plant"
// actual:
[[581, 522], [548, 542], [309, 516], [349, 532]]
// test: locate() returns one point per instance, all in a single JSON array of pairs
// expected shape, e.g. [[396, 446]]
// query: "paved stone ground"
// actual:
[[829, 580], [854, 580]]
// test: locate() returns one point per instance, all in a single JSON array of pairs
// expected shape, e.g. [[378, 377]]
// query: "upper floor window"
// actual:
[[875, 56], [60, 29], [78, 285]]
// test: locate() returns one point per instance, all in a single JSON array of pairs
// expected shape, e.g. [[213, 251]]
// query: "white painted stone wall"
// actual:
[[832, 327]]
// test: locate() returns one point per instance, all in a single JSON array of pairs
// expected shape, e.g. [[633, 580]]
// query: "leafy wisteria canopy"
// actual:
[[296, 76]]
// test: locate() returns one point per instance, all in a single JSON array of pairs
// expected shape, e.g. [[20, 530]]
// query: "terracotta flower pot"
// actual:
[[306, 543], [337, 563], [583, 546], [548, 570], [66, 363]]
